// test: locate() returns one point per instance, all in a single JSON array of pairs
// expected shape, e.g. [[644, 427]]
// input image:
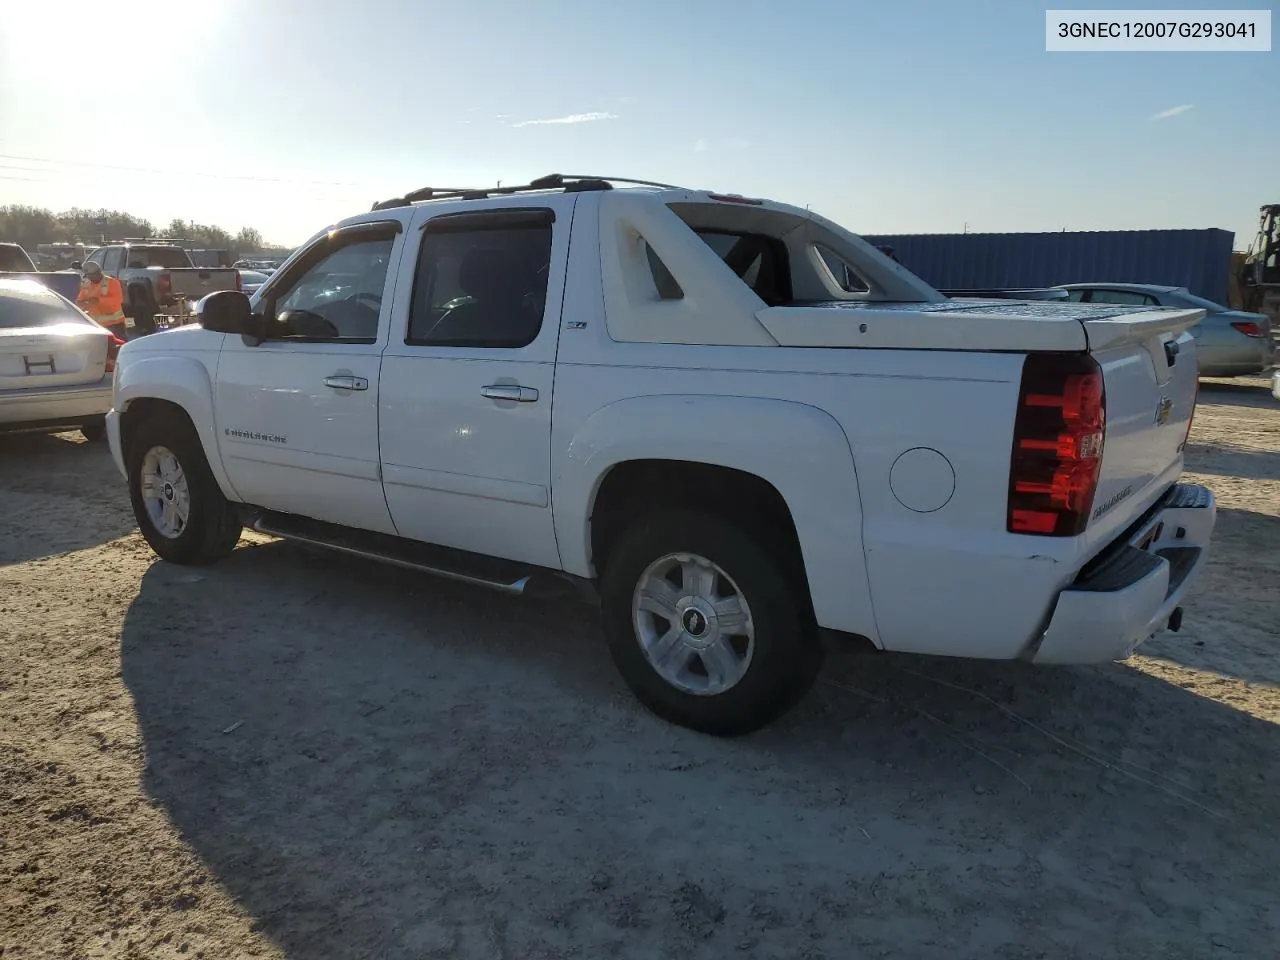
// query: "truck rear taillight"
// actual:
[[164, 284], [1248, 328], [1057, 445]]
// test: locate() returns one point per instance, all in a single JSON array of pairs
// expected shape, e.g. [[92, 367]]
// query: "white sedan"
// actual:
[[56, 365]]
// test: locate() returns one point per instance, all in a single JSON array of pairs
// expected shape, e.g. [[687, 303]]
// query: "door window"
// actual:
[[482, 281], [110, 261], [338, 298]]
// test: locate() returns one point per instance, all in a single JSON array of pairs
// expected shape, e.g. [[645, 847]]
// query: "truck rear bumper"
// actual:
[[1128, 594]]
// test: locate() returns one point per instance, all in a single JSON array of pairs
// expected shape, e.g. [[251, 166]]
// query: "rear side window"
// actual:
[[481, 280]]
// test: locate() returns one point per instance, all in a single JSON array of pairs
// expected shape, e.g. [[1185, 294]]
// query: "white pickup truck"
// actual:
[[740, 425]]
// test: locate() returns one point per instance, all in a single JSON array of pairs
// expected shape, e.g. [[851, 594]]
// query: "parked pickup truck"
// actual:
[[15, 264], [667, 397], [160, 279]]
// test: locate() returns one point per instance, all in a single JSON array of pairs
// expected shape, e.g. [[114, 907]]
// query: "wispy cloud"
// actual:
[[571, 118], [1171, 112], [738, 144], [701, 146]]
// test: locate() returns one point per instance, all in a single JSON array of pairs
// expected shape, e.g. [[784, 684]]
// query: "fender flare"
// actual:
[[184, 382], [801, 450]]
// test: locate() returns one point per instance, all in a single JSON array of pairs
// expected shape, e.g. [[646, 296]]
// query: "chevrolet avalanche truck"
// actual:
[[742, 427]]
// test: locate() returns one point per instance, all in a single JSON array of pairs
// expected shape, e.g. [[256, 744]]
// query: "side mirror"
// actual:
[[226, 311], [77, 264]]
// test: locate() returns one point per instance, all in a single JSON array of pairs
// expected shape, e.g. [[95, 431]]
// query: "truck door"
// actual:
[[297, 415], [465, 419]]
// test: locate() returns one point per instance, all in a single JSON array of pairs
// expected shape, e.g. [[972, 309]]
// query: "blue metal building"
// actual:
[[1199, 260]]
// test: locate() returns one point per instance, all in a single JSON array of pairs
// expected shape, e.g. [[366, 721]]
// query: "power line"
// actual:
[[153, 170]]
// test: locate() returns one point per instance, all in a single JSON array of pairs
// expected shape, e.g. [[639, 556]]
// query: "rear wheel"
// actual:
[[176, 500], [704, 624]]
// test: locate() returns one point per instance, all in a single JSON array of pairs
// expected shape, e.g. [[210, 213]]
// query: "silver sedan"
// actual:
[[56, 365], [1229, 343]]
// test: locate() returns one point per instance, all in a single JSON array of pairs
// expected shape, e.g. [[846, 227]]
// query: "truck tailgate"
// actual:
[[1148, 362], [194, 283]]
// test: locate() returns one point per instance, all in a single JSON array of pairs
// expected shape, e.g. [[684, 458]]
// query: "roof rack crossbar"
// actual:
[[552, 181]]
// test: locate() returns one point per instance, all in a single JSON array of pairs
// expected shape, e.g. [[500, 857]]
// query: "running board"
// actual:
[[503, 575]]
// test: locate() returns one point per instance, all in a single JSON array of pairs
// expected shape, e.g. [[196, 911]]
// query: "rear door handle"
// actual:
[[509, 391], [346, 383]]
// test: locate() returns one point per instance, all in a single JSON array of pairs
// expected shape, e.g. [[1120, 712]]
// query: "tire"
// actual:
[[94, 432], [212, 526], [776, 658]]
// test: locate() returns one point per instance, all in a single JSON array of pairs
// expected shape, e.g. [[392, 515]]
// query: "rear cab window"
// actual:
[[784, 260], [167, 257]]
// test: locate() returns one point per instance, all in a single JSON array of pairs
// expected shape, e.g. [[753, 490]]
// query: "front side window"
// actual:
[[338, 298], [482, 284]]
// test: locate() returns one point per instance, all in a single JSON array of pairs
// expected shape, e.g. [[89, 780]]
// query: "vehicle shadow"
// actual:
[[62, 476], [1232, 622], [375, 763], [1240, 392], [1226, 460]]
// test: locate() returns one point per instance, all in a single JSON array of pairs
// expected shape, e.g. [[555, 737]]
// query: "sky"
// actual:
[[888, 117]]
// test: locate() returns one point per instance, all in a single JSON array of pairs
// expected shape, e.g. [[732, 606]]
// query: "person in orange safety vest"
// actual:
[[102, 298]]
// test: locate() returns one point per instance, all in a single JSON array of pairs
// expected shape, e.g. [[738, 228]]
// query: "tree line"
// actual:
[[30, 226]]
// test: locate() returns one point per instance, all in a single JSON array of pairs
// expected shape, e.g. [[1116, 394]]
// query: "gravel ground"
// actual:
[[295, 755]]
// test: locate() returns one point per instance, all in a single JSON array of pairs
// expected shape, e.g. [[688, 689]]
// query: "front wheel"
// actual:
[[94, 431], [704, 624], [176, 500]]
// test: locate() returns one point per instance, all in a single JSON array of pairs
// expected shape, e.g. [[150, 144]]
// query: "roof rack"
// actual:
[[570, 183], [171, 240]]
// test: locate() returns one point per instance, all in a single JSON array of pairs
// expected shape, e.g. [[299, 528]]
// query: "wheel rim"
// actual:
[[165, 492], [693, 624]]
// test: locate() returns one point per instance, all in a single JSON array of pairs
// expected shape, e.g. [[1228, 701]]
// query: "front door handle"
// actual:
[[346, 383], [509, 391]]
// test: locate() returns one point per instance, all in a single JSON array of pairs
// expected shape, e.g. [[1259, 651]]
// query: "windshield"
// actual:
[[34, 308]]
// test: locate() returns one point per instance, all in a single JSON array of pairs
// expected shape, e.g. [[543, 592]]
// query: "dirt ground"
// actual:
[[296, 755]]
